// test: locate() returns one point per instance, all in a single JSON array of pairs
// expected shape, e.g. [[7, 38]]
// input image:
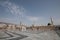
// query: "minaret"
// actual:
[[51, 20]]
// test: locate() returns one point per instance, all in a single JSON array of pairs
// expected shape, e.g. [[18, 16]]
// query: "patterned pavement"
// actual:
[[12, 36], [29, 35]]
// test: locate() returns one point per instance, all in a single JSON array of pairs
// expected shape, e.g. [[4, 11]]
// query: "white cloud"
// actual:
[[37, 20], [16, 10], [13, 8], [31, 18], [5, 19], [9, 20]]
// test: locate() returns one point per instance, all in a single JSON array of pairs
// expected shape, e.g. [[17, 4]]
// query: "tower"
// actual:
[[51, 20]]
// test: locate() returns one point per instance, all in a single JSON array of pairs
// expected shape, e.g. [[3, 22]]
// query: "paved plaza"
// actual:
[[28, 35]]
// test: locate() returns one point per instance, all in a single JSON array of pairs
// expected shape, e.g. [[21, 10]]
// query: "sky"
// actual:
[[30, 12]]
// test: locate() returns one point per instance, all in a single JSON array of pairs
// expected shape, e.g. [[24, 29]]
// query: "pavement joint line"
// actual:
[[17, 38], [12, 37], [18, 34], [14, 34], [9, 34]]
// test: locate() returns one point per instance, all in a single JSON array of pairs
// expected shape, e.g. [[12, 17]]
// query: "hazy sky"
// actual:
[[30, 11]]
